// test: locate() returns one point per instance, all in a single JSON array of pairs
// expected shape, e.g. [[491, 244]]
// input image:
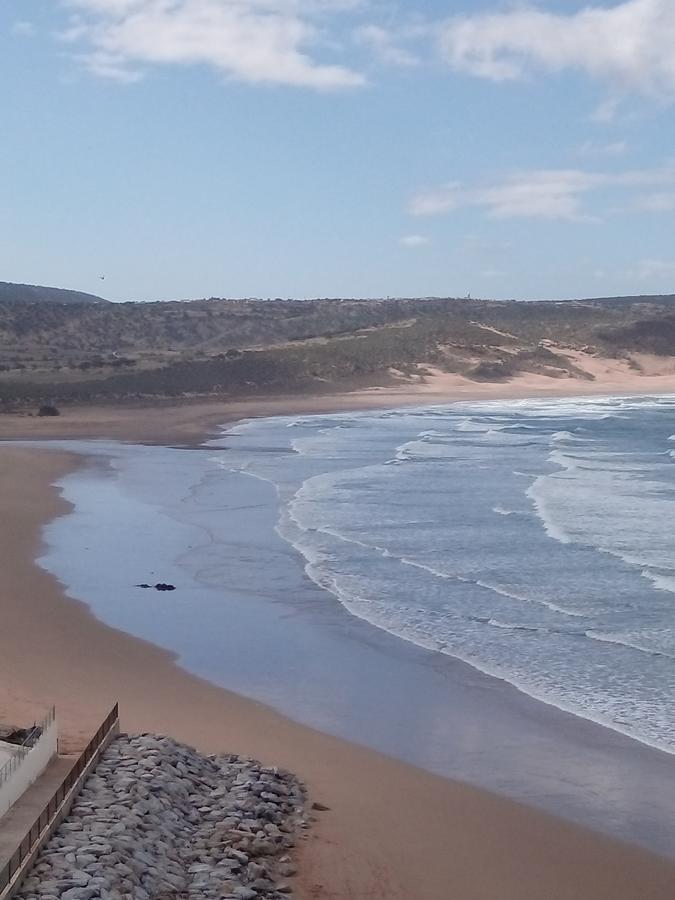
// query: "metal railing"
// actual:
[[22, 750], [48, 814]]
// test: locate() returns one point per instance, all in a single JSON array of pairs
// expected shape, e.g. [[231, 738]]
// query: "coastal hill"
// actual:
[[92, 350], [36, 293]]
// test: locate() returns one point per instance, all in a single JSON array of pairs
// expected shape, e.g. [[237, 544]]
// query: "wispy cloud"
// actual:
[[482, 246], [414, 240], [606, 112], [658, 201], [22, 29], [439, 200], [655, 269], [595, 150], [630, 44], [385, 45], [540, 194], [272, 41]]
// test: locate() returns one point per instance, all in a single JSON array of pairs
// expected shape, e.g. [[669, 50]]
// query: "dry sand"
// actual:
[[187, 422], [392, 831]]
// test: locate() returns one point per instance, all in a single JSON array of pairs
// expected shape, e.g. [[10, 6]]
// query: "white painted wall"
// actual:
[[30, 767], [6, 752]]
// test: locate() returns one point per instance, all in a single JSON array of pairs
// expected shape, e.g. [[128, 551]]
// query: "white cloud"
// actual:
[[548, 194], [540, 194], [273, 41], [414, 240], [630, 44], [22, 29], [384, 45], [554, 194]]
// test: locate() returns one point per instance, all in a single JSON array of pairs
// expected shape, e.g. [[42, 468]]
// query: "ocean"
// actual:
[[532, 540]]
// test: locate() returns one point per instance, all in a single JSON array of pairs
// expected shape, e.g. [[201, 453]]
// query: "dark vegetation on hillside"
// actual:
[[65, 353], [646, 335]]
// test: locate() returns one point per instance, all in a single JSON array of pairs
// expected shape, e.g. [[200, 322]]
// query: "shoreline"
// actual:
[[190, 422], [363, 662], [355, 676], [351, 851], [390, 825]]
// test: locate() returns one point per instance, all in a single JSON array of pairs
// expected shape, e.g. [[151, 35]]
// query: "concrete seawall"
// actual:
[[28, 765]]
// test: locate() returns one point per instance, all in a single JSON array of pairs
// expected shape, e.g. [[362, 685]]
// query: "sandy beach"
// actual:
[[391, 830], [187, 423]]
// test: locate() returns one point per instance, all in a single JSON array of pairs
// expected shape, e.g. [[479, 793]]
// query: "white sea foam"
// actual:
[[398, 624], [569, 437], [472, 425], [425, 450], [419, 551], [538, 494], [504, 512], [660, 581], [542, 601], [604, 498], [653, 643]]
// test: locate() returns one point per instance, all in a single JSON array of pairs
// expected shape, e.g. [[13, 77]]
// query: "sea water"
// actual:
[[533, 539]]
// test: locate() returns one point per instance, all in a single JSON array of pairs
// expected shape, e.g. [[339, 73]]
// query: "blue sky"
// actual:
[[190, 148]]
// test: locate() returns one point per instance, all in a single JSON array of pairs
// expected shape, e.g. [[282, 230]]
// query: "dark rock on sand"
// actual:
[[160, 586]]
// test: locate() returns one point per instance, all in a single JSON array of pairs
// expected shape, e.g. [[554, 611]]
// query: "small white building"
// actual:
[[21, 764]]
